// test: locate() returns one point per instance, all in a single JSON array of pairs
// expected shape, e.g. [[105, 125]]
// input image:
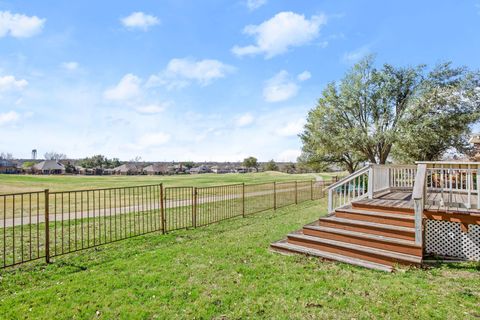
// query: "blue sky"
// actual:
[[200, 80]]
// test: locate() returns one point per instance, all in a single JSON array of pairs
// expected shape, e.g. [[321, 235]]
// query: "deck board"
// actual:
[[403, 199]]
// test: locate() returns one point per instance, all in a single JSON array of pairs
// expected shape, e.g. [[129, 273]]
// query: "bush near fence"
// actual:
[[44, 224]]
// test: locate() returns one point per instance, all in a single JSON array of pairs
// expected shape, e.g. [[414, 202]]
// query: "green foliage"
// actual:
[[271, 166], [289, 168], [373, 111], [69, 167], [28, 164], [189, 164], [99, 161], [250, 162]]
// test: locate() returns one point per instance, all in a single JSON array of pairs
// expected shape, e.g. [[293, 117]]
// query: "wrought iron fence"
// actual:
[[44, 224]]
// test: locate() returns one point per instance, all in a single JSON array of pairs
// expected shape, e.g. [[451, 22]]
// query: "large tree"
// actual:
[[251, 162], [373, 111]]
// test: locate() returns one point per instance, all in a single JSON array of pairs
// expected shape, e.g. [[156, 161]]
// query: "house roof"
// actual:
[[156, 167], [6, 163], [126, 167], [475, 138], [49, 165]]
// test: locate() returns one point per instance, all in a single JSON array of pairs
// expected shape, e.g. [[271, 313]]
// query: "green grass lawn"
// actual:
[[22, 183], [225, 271]]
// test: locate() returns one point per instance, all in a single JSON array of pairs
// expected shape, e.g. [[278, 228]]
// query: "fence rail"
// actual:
[[44, 224]]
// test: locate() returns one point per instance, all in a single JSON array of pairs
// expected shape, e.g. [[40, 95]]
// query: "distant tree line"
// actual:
[[99, 161]]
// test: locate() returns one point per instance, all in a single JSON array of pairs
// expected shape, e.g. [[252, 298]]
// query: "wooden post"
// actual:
[[47, 227], [296, 192], [194, 207], [162, 209], [274, 195], [469, 186], [330, 200], [370, 183], [243, 200], [478, 188]]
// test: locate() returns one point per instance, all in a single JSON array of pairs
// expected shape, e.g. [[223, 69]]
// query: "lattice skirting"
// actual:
[[445, 238]]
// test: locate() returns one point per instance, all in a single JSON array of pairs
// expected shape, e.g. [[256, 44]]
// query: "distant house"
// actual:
[[200, 169], [48, 167], [156, 169], [127, 169], [475, 141], [220, 169], [241, 170], [7, 166]]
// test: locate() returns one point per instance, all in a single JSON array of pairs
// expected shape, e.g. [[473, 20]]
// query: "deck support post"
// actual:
[[478, 188], [469, 186]]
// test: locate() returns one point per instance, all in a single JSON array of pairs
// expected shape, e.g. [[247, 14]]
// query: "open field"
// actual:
[[225, 271], [23, 183]]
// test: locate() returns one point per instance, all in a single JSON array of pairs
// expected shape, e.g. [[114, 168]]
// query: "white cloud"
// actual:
[[70, 65], [289, 155], [140, 20], [356, 55], [8, 117], [244, 120], [291, 128], [153, 139], [152, 108], [277, 35], [255, 4], [127, 88], [19, 25], [279, 88], [305, 75], [180, 72], [8, 83]]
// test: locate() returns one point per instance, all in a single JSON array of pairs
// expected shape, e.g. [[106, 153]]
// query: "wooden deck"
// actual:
[[403, 200]]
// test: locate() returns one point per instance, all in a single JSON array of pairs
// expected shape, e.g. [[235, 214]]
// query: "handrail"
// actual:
[[418, 195], [350, 177]]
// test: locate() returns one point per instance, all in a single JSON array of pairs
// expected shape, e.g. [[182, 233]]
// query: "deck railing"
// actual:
[[350, 188], [453, 184], [368, 181]]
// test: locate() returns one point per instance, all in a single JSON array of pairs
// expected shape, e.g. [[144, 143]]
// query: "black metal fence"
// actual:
[[43, 224]]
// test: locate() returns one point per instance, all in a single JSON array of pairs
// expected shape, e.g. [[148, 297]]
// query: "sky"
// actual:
[[178, 80]]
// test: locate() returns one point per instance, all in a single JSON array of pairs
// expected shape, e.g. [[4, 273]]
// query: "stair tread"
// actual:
[[283, 244], [368, 223], [383, 204], [377, 214], [380, 252], [363, 235]]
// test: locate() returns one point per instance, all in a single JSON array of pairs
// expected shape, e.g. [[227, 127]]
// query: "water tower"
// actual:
[[34, 154]]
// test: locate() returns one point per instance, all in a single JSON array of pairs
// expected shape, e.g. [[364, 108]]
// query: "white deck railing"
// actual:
[[368, 181], [453, 184], [446, 184]]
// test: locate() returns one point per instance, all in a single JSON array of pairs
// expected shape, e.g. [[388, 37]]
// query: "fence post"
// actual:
[[162, 209], [47, 227], [296, 192], [243, 200], [194, 207], [274, 195], [311, 189]]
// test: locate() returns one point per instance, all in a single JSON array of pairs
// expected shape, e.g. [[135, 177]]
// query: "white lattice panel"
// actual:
[[447, 239]]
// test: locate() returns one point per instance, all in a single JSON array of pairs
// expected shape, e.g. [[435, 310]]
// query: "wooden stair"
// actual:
[[361, 234]]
